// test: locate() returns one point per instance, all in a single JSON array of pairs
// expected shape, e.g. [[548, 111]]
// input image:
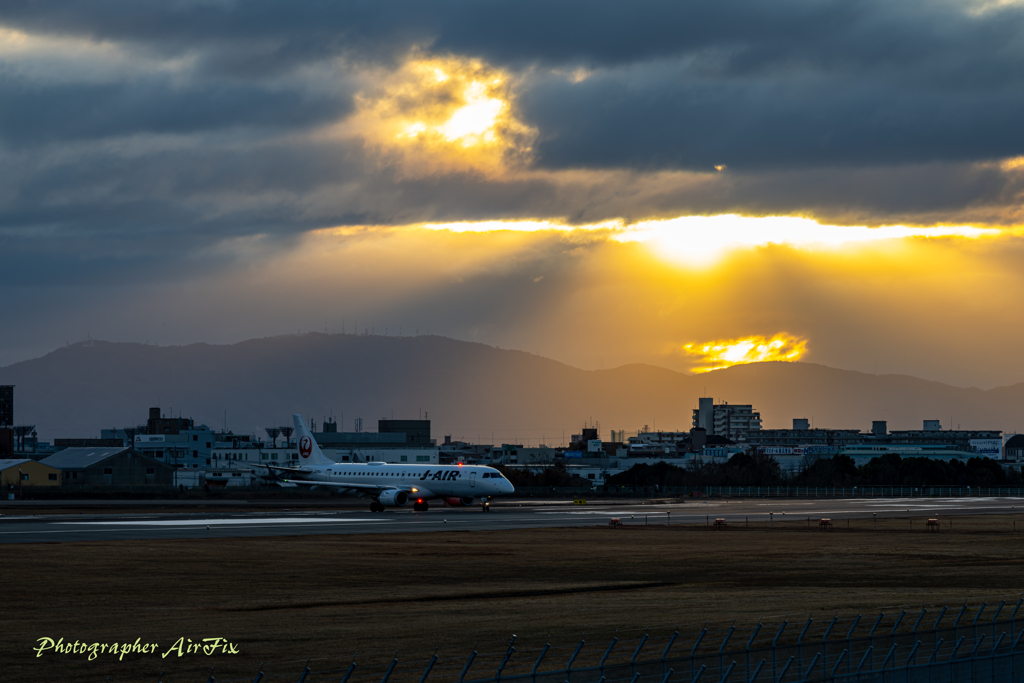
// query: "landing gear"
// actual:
[[485, 505], [376, 506], [421, 507]]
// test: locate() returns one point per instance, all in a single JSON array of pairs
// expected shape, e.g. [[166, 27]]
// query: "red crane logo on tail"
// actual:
[[305, 446]]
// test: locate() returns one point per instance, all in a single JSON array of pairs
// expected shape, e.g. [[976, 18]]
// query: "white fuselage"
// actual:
[[422, 481]]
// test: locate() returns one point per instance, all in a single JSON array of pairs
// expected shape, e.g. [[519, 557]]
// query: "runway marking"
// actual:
[[227, 522]]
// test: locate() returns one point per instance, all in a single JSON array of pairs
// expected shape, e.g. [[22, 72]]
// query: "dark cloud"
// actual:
[[34, 112], [676, 85], [640, 119], [863, 111], [755, 34]]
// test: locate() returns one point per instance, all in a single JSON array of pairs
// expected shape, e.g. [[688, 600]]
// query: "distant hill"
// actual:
[[469, 390]]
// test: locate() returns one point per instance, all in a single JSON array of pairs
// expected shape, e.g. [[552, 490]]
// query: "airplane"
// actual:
[[393, 484]]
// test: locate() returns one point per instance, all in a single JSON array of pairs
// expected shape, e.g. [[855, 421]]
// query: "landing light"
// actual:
[[415, 490]]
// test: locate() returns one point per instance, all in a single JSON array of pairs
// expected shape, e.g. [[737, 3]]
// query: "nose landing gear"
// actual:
[[485, 505], [421, 506]]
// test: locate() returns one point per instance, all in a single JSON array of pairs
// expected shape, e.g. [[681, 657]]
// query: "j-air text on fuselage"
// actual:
[[393, 484]]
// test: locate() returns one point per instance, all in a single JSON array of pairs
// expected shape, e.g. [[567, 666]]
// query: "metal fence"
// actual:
[[982, 644], [856, 491], [774, 492]]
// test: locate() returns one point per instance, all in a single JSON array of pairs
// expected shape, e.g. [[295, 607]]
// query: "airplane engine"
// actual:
[[394, 498], [459, 502]]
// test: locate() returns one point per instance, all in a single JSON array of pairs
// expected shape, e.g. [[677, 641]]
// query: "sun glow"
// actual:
[[442, 114], [715, 355], [703, 240]]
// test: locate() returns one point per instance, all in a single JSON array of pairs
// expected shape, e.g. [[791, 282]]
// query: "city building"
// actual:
[[1013, 450], [394, 441], [736, 422], [176, 441]]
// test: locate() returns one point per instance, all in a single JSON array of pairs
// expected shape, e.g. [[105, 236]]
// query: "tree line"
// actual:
[[756, 469]]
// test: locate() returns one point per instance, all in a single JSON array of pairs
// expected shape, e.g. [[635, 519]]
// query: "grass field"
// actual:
[[331, 597]]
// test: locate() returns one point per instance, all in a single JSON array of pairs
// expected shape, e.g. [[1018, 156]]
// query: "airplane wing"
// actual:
[[295, 470], [353, 486]]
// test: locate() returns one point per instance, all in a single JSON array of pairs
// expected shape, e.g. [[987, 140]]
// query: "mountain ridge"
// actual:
[[470, 390]]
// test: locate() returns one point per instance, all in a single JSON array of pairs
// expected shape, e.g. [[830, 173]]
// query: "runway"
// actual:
[[504, 515]]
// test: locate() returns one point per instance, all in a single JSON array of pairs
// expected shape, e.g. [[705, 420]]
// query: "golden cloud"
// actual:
[[724, 353], [442, 114]]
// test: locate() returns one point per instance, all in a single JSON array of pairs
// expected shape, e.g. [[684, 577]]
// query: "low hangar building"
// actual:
[[122, 466], [28, 472]]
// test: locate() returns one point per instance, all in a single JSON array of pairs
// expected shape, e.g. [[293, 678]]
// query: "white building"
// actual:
[[735, 422]]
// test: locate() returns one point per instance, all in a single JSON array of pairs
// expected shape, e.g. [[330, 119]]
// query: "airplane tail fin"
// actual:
[[309, 451]]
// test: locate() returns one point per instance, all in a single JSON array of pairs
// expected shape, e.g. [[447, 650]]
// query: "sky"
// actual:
[[684, 184]]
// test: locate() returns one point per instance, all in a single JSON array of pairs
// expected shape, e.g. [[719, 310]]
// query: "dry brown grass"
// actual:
[[287, 598]]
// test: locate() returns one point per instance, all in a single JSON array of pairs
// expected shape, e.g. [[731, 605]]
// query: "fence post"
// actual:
[[668, 675], [430, 666], [996, 616], [824, 644], [867, 653], [721, 649], [800, 645], [978, 616], [849, 640], [1013, 616], [636, 653], [695, 678], [918, 622], [871, 637], [974, 653], [935, 628], [1013, 648], [785, 669], [725, 676], [693, 653], [600, 666], [956, 621], [756, 672], [387, 674], [892, 652], [351, 668], [838, 662], [749, 643], [668, 647], [913, 654], [259, 674], [935, 652], [998, 643], [774, 642], [469, 663], [952, 655], [302, 678], [811, 667], [568, 669], [896, 625], [501, 667]]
